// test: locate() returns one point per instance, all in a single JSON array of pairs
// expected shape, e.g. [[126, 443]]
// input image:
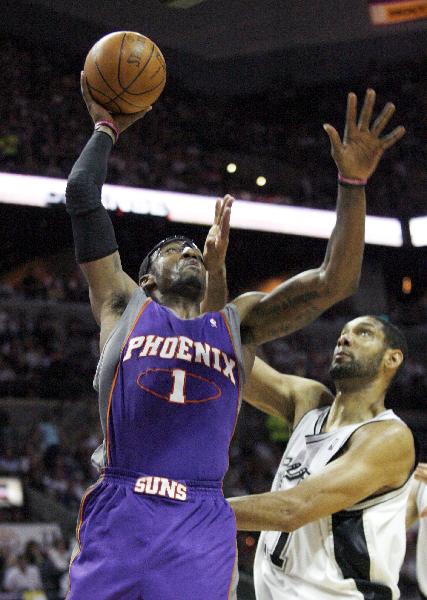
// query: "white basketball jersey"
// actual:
[[421, 500], [356, 553]]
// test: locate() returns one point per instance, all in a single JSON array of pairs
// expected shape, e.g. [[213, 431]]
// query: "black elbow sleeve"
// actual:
[[93, 231]]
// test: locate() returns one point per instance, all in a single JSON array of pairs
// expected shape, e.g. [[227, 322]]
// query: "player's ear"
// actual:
[[393, 358], [148, 283]]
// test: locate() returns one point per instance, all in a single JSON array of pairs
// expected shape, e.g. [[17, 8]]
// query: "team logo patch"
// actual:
[[296, 471], [178, 386], [160, 486]]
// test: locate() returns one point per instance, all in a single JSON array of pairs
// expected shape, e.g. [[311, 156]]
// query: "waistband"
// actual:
[[158, 485]]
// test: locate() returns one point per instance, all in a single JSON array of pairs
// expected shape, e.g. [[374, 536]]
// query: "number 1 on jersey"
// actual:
[[177, 394]]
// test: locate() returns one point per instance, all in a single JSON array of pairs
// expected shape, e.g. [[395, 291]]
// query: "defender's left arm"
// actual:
[[379, 458], [303, 298]]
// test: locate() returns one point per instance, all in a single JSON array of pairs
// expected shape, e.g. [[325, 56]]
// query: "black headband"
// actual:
[[146, 263]]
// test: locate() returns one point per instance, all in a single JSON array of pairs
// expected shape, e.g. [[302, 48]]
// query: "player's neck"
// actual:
[[184, 308], [354, 404]]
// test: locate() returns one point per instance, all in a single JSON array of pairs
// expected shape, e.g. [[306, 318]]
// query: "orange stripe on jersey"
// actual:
[[107, 425], [83, 502], [113, 385]]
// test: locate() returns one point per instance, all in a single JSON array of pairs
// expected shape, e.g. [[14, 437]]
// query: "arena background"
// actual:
[[249, 83]]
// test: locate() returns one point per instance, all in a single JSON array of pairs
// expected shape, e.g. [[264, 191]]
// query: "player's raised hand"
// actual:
[[99, 113], [358, 154], [216, 244]]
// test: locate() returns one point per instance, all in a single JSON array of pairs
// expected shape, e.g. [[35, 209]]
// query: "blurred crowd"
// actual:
[[51, 456], [46, 285], [40, 572], [48, 337], [187, 141], [46, 355], [51, 355]]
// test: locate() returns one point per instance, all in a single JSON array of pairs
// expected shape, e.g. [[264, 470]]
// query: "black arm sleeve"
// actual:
[[93, 231]]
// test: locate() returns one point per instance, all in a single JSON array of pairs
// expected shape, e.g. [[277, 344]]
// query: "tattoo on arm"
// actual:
[[286, 303], [304, 310]]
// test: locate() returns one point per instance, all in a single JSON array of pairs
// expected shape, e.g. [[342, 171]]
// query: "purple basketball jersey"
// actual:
[[175, 396], [156, 526]]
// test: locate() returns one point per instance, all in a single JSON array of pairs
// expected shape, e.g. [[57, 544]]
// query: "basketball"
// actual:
[[125, 72]]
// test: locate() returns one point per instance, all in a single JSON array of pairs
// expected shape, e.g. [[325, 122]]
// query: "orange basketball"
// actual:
[[125, 72]]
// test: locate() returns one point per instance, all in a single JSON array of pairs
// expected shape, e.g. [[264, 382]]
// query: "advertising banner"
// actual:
[[387, 12]]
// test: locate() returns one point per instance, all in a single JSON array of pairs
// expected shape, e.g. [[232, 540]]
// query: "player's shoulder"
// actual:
[[388, 428], [305, 389], [245, 302], [387, 447], [389, 437], [308, 395]]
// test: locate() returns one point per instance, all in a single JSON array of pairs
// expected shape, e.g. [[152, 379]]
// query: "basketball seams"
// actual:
[[114, 73], [106, 83], [91, 87], [125, 89], [119, 64], [140, 93], [141, 71], [155, 72]]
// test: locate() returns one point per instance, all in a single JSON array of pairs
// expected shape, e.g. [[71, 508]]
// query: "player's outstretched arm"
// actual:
[[380, 458], [286, 396], [214, 254], [303, 298], [95, 243]]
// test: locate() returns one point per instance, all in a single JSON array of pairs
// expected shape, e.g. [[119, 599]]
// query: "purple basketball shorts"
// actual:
[[152, 538]]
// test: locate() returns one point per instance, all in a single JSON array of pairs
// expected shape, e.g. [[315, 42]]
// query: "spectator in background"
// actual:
[[12, 462], [21, 576], [59, 556], [48, 429]]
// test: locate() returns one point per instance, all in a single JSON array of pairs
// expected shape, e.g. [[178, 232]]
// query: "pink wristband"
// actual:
[[111, 126], [346, 181]]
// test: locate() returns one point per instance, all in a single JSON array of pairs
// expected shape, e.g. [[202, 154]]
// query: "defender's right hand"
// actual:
[[99, 113], [358, 154]]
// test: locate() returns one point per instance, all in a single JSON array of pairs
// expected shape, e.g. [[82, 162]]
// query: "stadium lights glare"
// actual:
[[196, 209], [261, 181], [418, 230], [231, 168], [406, 285]]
